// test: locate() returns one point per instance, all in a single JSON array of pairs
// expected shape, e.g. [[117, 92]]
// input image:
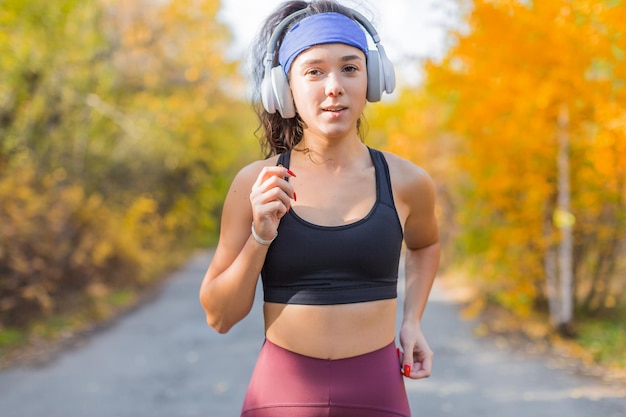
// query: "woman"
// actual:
[[323, 220]]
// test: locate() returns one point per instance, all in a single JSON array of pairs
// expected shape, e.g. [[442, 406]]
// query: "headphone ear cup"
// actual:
[[267, 93], [375, 80], [389, 74], [282, 93]]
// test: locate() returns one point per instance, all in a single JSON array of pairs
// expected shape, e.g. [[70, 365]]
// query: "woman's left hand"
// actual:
[[417, 359]]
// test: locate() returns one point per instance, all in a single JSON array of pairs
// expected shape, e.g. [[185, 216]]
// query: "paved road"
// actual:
[[163, 361]]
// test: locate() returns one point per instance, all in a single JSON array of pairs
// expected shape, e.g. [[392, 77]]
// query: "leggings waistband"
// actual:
[[285, 383]]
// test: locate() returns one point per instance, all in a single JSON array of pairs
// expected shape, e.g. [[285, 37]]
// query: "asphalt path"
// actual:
[[163, 360]]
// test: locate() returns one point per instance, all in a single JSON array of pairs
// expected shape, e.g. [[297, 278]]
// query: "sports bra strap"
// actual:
[[284, 159], [383, 178]]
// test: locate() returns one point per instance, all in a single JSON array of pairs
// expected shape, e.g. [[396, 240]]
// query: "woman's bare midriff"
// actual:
[[331, 331]]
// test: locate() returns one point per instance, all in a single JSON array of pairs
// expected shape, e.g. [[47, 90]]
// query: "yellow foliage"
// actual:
[[485, 126], [55, 240], [119, 128]]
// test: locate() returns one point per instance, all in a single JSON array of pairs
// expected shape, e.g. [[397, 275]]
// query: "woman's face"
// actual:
[[329, 85]]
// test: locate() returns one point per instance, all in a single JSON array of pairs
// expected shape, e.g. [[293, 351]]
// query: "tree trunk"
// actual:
[[552, 292], [565, 222], [551, 270]]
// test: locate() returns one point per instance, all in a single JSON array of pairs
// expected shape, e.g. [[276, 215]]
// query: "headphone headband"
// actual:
[[280, 28]]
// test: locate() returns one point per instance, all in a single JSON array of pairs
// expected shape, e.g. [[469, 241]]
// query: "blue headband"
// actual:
[[318, 29]]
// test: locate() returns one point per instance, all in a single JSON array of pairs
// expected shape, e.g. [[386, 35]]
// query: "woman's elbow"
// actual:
[[221, 316], [221, 319], [216, 319], [220, 326]]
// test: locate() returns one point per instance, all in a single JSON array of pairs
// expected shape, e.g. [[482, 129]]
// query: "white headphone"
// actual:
[[275, 91]]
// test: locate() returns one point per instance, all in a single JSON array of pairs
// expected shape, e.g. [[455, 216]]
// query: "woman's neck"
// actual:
[[335, 154]]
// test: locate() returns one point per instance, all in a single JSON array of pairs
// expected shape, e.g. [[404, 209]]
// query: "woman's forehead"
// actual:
[[331, 51]]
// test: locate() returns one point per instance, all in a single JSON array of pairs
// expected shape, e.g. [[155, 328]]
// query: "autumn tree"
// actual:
[[119, 131], [529, 95]]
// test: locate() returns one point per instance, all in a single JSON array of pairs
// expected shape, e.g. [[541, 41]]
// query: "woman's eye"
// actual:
[[350, 68], [314, 72]]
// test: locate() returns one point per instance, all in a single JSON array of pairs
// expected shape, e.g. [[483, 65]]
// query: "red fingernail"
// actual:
[[295, 198], [398, 349], [407, 370], [290, 172]]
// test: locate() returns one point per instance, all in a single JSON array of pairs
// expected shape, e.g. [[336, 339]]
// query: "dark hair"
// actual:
[[276, 134]]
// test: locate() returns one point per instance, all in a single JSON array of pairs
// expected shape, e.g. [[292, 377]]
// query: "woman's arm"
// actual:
[[421, 268], [416, 199], [259, 194]]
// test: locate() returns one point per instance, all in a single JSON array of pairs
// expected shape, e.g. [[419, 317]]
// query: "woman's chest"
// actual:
[[335, 200]]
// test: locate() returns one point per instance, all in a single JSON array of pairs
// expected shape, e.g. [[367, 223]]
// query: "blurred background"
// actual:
[[122, 124]]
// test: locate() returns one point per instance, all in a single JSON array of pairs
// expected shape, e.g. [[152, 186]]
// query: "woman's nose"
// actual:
[[334, 87]]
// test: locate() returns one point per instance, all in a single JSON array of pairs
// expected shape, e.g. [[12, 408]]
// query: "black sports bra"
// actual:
[[324, 265]]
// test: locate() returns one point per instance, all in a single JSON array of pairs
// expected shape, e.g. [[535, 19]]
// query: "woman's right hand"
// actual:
[[270, 198], [229, 285]]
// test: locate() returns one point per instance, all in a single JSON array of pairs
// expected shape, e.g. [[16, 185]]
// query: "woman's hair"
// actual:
[[276, 134]]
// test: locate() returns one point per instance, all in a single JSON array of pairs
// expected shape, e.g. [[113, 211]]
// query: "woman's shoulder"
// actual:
[[415, 195], [250, 172], [239, 192], [405, 174]]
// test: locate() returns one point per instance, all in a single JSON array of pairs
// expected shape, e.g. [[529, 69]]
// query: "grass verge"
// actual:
[[598, 349]]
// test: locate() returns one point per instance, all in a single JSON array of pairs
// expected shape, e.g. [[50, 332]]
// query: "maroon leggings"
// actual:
[[287, 384]]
